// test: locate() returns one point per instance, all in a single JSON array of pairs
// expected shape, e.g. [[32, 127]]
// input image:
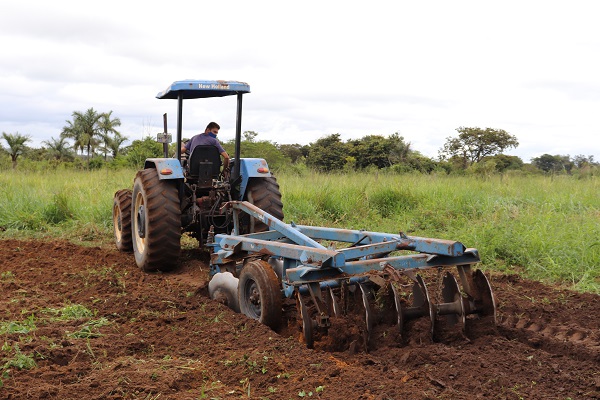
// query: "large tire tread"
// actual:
[[265, 194], [266, 279], [163, 223], [122, 234]]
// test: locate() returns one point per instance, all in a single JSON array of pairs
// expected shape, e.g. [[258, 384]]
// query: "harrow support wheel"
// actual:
[[259, 293], [263, 193], [122, 220], [156, 222]]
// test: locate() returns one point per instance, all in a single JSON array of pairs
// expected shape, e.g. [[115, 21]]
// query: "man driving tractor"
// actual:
[[208, 138]]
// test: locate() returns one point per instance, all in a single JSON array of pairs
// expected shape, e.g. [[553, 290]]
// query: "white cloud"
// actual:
[[315, 68]]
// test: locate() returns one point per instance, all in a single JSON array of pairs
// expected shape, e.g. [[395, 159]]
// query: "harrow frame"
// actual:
[[305, 266]]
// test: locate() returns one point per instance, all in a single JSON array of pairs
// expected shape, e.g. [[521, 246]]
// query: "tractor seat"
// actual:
[[204, 165]]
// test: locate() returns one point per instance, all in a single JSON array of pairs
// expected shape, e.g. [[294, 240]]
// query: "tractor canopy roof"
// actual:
[[195, 89]]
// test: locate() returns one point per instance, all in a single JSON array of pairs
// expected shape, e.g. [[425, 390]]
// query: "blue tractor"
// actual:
[[259, 264], [171, 196]]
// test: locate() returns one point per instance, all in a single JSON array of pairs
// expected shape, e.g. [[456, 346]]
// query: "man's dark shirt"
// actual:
[[203, 139]]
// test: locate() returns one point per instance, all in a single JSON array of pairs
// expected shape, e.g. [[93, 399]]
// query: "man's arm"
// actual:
[[186, 146], [225, 160]]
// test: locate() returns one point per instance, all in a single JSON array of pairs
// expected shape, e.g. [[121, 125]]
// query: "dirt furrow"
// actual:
[[95, 326]]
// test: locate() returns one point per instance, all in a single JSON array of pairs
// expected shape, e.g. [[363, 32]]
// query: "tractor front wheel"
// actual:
[[156, 222], [122, 220], [259, 293]]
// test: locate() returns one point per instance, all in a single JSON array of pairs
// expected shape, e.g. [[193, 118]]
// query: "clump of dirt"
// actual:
[[85, 322]]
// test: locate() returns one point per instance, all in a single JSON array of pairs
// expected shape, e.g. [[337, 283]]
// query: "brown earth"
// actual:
[[158, 336]]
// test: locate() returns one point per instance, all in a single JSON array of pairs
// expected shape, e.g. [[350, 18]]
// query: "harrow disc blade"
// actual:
[[333, 303], [421, 305], [366, 293], [398, 304], [427, 305], [452, 308], [486, 305], [307, 323]]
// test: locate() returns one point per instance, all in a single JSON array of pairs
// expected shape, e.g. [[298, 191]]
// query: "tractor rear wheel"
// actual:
[[263, 193], [156, 222], [122, 220], [259, 293]]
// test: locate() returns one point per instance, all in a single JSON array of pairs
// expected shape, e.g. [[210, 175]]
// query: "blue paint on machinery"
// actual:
[[258, 261]]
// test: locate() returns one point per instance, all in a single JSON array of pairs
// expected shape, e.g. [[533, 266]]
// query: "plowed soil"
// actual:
[[159, 336]]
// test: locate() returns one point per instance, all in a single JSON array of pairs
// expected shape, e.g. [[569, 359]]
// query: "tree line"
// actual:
[[90, 139]]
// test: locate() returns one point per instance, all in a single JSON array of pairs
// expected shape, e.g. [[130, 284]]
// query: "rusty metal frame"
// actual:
[[307, 261]]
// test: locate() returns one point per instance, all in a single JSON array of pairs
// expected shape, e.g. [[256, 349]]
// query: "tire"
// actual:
[[259, 293], [122, 220], [263, 193], [156, 222]]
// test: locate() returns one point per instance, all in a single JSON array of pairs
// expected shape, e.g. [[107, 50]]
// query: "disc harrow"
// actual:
[[377, 279]]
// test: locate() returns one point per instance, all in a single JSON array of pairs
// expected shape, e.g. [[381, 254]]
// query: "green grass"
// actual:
[[62, 202], [69, 312], [19, 360], [90, 329], [11, 356], [546, 228], [18, 327]]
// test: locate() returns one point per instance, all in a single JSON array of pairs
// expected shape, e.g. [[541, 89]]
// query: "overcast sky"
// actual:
[[420, 68]]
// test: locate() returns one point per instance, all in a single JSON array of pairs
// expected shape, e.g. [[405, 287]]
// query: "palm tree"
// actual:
[[16, 145], [58, 148], [114, 144], [89, 126], [107, 127], [72, 131], [83, 129]]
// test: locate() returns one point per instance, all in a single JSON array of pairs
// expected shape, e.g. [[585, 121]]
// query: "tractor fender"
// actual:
[[252, 168], [167, 168]]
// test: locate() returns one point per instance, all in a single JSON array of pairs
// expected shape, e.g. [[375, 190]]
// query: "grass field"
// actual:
[[546, 228]]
